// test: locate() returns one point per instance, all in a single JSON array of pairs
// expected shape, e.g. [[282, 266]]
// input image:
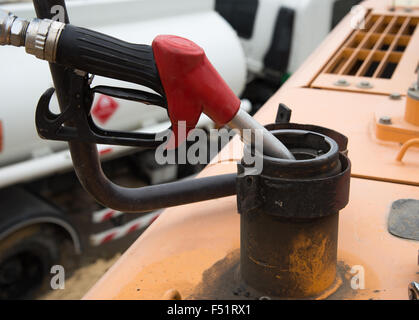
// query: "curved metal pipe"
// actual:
[[89, 171]]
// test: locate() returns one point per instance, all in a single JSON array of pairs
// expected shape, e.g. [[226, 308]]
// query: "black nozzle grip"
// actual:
[[103, 55]]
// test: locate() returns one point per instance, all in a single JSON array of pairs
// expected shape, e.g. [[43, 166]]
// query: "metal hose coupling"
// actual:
[[38, 36], [12, 29]]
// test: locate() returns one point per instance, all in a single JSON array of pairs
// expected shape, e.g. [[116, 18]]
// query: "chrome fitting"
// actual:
[[6, 22], [12, 29], [42, 37], [17, 32]]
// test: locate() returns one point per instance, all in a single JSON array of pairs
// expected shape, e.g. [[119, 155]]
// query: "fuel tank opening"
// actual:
[[290, 213]]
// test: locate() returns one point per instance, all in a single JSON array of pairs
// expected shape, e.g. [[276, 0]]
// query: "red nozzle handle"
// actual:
[[191, 84]]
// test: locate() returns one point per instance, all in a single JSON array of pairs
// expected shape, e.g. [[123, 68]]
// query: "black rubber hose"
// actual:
[[89, 171]]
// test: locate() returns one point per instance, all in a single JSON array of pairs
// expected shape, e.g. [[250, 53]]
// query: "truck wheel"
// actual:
[[26, 258]]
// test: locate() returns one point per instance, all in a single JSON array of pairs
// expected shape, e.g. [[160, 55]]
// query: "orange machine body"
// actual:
[[184, 251]]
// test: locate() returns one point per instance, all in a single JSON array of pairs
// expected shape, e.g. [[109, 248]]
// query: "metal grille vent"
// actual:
[[375, 51], [381, 58]]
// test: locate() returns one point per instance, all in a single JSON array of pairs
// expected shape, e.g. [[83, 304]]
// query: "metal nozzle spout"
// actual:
[[271, 146]]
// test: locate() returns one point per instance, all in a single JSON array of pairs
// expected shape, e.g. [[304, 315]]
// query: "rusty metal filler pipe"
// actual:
[[289, 215]]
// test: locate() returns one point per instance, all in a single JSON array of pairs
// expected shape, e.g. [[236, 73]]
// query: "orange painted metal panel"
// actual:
[[354, 115], [186, 241]]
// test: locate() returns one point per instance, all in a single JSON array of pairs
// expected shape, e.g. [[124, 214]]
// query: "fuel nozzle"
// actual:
[[193, 86]]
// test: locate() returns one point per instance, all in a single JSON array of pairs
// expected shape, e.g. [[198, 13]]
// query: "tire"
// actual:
[[26, 258]]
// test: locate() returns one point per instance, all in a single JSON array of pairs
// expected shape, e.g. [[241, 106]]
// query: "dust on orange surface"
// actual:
[[194, 232], [181, 272], [209, 231], [308, 265]]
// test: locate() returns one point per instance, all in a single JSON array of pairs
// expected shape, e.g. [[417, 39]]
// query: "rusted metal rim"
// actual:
[[317, 155], [340, 139], [303, 189]]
